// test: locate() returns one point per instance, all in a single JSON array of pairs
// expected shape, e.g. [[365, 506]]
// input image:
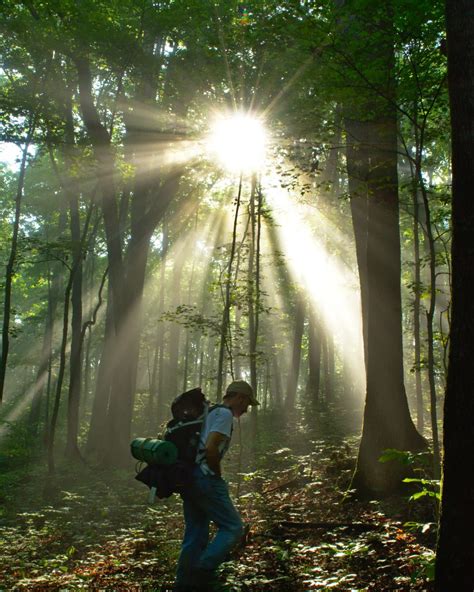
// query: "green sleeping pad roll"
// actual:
[[153, 451]]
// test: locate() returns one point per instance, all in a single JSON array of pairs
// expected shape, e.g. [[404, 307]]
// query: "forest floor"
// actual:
[[93, 530]]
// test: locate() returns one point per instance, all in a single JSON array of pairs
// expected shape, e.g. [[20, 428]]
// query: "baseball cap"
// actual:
[[240, 386]]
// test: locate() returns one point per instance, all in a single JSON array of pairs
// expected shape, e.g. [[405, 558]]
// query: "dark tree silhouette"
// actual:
[[455, 557]]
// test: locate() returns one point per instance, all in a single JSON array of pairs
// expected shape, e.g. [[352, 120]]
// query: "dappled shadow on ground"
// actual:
[[95, 530]]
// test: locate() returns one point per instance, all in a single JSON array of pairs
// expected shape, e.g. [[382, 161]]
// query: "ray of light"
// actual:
[[332, 288], [196, 244], [21, 404]]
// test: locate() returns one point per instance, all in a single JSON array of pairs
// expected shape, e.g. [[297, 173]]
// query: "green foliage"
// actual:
[[425, 565], [191, 318], [421, 463], [428, 488], [419, 459]]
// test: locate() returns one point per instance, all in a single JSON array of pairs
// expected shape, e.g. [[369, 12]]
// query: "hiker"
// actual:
[[208, 500]]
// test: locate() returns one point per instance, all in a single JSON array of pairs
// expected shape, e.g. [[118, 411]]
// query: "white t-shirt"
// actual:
[[218, 420]]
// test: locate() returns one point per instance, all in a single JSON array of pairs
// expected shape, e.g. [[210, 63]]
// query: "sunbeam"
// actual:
[[331, 287], [21, 404]]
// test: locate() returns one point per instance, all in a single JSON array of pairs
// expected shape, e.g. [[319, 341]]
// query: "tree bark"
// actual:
[[149, 202], [62, 352], [10, 268], [175, 330], [420, 421], [159, 394], [357, 158], [75, 361], [293, 372], [455, 551], [46, 353], [103, 386], [314, 362], [429, 323], [224, 341], [329, 368], [387, 421]]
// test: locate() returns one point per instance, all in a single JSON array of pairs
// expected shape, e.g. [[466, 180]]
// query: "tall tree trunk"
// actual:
[[122, 394], [62, 366], [420, 423], [175, 329], [87, 373], [55, 291], [236, 343], [10, 268], [224, 341], [87, 366], [43, 373], [103, 386], [159, 392], [251, 288], [455, 552], [429, 322], [277, 391], [329, 368], [187, 347], [314, 362], [255, 215], [126, 278], [387, 421], [62, 354], [74, 395], [420, 188], [294, 370], [324, 364], [357, 158], [103, 152]]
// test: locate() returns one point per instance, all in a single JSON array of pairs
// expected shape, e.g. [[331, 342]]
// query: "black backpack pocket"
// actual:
[[175, 478]]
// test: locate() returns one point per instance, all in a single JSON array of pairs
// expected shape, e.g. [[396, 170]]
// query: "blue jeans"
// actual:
[[207, 501]]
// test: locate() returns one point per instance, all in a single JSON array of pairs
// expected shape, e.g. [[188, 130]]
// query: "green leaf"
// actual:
[[390, 454]]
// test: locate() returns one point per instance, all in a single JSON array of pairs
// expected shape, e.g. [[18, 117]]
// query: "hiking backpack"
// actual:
[[189, 411]]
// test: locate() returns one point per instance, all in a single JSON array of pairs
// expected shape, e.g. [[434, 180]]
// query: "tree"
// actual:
[[387, 421], [292, 384], [10, 268], [455, 550]]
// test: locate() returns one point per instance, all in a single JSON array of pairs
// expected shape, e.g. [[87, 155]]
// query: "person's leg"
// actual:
[[219, 508], [196, 537]]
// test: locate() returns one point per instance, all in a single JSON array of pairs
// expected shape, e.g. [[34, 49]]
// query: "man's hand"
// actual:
[[213, 456]]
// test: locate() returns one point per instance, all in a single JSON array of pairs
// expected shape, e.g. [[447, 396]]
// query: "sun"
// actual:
[[238, 141]]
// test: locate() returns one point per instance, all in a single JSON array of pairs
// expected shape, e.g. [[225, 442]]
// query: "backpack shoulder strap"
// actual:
[[179, 424]]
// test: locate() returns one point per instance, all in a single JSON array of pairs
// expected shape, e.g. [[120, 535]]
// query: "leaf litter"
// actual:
[[304, 534]]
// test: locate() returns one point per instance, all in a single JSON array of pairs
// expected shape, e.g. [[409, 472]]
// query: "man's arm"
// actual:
[[213, 456]]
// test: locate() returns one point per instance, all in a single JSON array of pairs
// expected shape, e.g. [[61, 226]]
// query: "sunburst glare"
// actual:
[[238, 141]]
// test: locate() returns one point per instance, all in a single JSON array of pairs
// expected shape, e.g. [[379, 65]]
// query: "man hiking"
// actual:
[[208, 500]]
